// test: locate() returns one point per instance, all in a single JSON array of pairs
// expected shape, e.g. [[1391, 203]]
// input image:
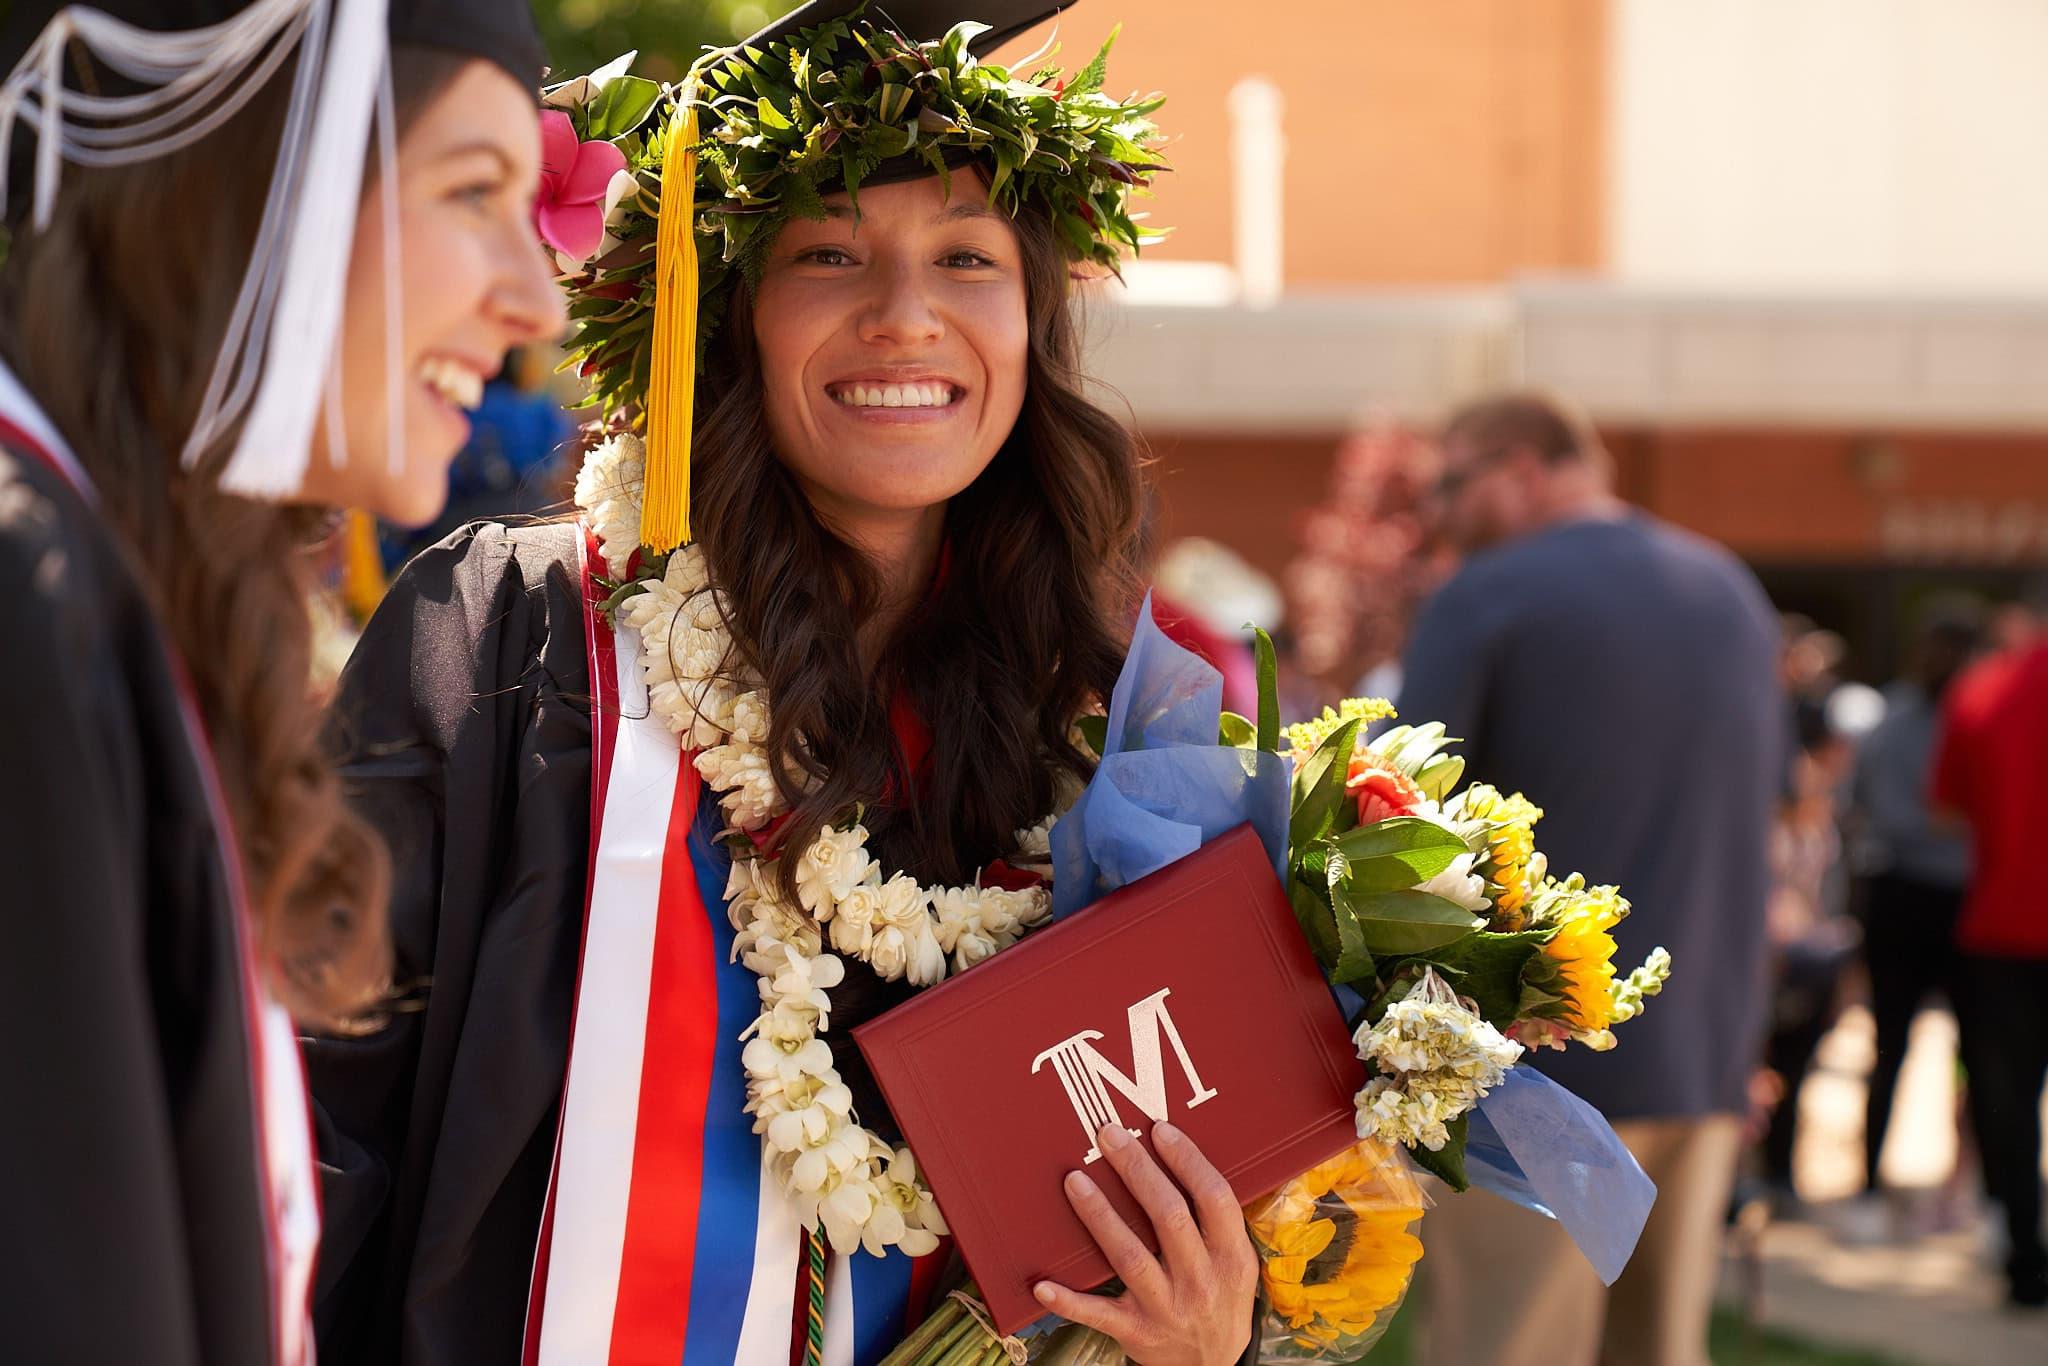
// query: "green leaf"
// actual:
[[1399, 852], [770, 116], [855, 165], [755, 78], [1354, 957], [800, 196], [1489, 968], [1439, 777], [1075, 231], [1090, 77], [1535, 1001], [1317, 923], [1319, 787], [1007, 162], [624, 106], [619, 594], [954, 47], [1236, 732], [936, 159], [1449, 1164], [1405, 921], [1269, 691], [1311, 864], [891, 104], [1095, 731]]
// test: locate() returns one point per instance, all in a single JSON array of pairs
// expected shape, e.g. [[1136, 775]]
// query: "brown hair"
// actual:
[[112, 315], [1542, 423], [1023, 630]]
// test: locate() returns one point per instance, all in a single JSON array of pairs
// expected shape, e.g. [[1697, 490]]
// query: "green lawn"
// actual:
[[1730, 1345]]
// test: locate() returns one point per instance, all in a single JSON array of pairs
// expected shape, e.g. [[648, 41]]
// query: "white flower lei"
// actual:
[[838, 1173]]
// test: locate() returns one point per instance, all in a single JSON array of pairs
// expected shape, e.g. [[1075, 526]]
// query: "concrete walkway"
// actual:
[[1918, 1287]]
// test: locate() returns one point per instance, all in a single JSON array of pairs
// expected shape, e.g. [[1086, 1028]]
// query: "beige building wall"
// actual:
[[1427, 141], [1892, 145]]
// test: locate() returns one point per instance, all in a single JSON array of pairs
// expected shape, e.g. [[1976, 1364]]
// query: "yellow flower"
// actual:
[[1335, 1244], [1305, 737], [1512, 863], [1584, 951]]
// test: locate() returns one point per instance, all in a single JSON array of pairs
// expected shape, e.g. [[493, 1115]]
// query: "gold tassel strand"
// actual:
[[362, 565], [665, 502]]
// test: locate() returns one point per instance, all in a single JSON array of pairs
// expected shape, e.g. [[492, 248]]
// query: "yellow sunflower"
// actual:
[[1584, 951], [1510, 864], [1335, 1245]]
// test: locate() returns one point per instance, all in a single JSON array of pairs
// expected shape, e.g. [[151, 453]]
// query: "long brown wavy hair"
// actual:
[[1023, 630], [112, 316]]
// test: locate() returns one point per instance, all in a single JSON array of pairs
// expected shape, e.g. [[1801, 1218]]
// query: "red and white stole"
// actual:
[[665, 1239]]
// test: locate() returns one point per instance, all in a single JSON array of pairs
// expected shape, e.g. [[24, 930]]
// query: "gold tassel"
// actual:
[[362, 566], [672, 386]]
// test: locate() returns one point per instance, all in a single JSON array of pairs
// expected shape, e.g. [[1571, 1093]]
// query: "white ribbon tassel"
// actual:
[[275, 358]]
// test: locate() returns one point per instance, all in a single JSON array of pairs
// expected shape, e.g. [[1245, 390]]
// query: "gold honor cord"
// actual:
[[665, 505]]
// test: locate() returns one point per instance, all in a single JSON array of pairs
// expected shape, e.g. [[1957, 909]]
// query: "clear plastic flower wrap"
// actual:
[[1337, 1252]]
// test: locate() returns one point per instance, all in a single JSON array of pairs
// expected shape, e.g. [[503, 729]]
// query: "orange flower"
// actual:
[[1381, 790]]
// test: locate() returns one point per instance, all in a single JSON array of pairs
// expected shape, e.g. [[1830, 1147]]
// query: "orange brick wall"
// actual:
[[1428, 141], [1773, 496]]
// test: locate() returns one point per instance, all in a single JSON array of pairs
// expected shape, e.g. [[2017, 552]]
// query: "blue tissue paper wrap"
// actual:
[[1165, 787], [1535, 1143]]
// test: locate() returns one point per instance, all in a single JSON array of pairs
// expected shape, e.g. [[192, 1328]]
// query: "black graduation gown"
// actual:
[[463, 726], [463, 722], [130, 1207]]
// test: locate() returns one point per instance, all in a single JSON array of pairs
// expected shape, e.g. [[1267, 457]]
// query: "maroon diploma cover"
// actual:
[[1189, 995]]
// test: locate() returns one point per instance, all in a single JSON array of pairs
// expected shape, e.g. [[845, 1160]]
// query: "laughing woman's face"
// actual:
[[472, 285]]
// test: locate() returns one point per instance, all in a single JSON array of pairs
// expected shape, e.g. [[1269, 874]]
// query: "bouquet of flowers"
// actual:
[[1435, 907], [1441, 929]]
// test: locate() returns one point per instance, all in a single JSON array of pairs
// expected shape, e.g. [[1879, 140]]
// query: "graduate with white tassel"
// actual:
[[259, 256]]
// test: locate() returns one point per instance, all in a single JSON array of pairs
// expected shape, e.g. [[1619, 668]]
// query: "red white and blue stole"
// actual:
[[288, 1192], [665, 1241]]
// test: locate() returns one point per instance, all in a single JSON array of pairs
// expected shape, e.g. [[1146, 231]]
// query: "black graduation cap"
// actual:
[[500, 31], [923, 21]]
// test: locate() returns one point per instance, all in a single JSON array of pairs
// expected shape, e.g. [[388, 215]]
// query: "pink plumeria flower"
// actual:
[[569, 210]]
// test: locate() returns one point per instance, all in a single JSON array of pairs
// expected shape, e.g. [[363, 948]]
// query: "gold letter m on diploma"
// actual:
[[1087, 1075]]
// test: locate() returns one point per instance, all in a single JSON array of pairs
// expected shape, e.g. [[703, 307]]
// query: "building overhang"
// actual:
[[1188, 356]]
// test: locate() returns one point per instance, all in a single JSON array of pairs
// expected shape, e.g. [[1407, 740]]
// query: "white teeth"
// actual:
[[895, 395], [454, 382]]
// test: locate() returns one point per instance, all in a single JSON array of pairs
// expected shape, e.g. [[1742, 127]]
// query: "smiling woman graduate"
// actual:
[[771, 738], [204, 206]]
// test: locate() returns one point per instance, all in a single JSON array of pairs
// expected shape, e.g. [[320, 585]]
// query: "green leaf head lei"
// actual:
[[758, 134]]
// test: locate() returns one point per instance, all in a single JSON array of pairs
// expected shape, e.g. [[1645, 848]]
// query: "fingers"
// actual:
[[1180, 1238], [1215, 1204], [1198, 1302], [1101, 1312], [1127, 1256]]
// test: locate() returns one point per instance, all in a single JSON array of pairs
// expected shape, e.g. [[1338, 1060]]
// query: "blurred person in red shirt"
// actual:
[[1987, 771]]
